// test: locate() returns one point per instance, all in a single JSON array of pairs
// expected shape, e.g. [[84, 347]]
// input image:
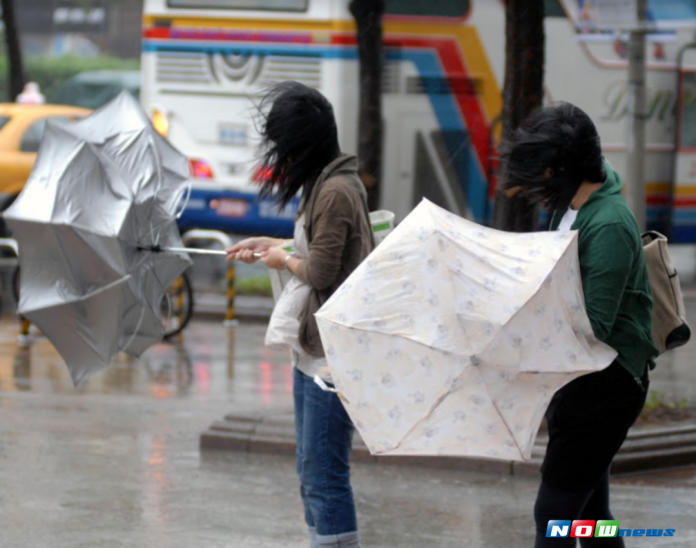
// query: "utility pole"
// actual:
[[635, 139]]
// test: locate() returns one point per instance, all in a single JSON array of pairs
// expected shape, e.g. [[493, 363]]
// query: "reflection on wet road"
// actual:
[[115, 462], [209, 362]]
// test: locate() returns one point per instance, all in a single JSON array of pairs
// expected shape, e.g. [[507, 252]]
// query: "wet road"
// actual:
[[115, 462]]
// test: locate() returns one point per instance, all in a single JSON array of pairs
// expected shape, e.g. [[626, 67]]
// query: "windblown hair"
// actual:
[[299, 139], [550, 155]]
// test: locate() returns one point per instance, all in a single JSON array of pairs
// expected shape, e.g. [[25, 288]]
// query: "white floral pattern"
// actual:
[[451, 338]]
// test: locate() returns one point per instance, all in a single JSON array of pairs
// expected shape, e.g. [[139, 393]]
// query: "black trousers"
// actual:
[[588, 420]]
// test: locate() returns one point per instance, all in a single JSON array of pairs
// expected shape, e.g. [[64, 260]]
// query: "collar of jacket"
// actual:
[[345, 163], [611, 186]]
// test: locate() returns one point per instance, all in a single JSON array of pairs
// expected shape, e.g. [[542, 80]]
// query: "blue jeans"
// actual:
[[324, 435]]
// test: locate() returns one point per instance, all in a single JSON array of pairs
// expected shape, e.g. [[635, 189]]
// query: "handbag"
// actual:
[[284, 323], [669, 327]]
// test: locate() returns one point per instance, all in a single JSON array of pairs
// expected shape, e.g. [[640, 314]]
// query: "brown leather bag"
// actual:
[[669, 327]]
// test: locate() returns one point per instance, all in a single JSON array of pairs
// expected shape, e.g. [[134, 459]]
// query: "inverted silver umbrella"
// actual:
[[97, 234]]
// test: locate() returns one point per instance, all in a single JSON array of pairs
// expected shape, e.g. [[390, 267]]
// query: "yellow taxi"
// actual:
[[21, 130]]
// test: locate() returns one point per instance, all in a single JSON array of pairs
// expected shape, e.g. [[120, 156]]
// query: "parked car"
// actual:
[[96, 88], [21, 131]]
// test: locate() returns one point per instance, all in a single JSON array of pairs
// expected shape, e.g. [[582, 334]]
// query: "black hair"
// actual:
[[299, 139], [551, 154]]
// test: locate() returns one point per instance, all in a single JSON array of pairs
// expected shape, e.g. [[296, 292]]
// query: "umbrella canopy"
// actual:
[[451, 338], [103, 192]]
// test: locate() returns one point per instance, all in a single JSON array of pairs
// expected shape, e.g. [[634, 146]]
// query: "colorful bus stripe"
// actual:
[[433, 58]]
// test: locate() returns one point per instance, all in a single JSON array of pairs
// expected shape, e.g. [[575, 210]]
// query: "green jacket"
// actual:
[[614, 278]]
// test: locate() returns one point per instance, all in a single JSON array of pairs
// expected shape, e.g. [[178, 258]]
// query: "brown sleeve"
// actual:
[[332, 222]]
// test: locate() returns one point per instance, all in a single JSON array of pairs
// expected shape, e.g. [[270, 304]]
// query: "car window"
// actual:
[[3, 121], [34, 133]]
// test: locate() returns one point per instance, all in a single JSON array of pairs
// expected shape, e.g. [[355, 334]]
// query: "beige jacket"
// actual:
[[339, 234]]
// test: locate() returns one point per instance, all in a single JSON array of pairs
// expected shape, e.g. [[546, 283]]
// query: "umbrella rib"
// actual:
[[372, 331], [502, 419], [514, 314]]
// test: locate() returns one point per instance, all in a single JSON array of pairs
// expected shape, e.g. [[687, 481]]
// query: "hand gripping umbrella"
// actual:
[[97, 234], [451, 338]]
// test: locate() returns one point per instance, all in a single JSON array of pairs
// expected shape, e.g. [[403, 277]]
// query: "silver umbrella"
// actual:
[[96, 227]]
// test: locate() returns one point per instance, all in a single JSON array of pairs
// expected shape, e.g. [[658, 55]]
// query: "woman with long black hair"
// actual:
[[332, 237], [555, 159]]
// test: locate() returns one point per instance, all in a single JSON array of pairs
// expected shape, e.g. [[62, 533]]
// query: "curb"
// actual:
[[274, 433], [214, 306]]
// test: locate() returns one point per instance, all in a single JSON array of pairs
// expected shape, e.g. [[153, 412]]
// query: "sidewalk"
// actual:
[[648, 447], [116, 463]]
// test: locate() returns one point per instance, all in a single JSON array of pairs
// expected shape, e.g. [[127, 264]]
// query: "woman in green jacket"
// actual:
[[555, 159]]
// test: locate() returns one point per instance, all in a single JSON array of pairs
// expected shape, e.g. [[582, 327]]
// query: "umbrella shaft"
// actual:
[[196, 250]]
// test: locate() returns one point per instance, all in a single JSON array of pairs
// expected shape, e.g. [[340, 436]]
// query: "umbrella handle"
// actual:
[[325, 387]]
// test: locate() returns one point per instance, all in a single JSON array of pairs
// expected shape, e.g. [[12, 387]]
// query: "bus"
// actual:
[[206, 63]]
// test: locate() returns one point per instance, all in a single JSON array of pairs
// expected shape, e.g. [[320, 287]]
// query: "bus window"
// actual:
[[688, 113], [432, 8], [554, 8], [265, 5]]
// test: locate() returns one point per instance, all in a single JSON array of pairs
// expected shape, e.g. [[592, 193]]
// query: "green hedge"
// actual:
[[259, 286], [51, 72]]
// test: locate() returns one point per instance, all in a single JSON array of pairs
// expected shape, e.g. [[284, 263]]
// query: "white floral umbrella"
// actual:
[[451, 338]]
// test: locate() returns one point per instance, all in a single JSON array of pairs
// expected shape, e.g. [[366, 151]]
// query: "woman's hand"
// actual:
[[244, 251], [275, 258]]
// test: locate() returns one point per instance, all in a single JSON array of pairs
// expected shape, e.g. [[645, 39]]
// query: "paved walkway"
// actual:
[[116, 462]]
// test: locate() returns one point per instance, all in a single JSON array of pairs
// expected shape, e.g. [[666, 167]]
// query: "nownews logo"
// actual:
[[602, 528]]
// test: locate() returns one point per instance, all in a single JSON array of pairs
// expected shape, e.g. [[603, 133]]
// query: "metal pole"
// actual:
[[635, 169]]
